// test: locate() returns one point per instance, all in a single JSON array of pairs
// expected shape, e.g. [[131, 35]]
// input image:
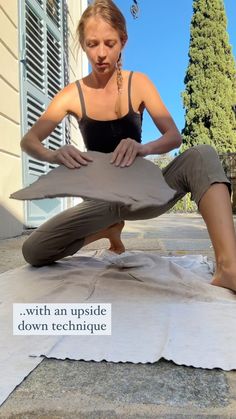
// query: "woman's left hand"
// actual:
[[126, 152]]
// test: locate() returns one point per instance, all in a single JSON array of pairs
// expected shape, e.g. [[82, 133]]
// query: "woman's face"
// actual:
[[102, 45]]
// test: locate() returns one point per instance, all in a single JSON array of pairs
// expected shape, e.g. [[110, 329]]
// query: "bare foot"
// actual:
[[225, 277], [113, 234]]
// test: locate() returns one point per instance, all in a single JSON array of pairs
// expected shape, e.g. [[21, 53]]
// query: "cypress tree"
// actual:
[[210, 94]]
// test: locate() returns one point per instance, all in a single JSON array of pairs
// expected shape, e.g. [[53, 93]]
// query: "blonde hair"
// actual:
[[108, 11]]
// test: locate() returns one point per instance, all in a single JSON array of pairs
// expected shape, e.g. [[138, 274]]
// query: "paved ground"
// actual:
[[78, 389]]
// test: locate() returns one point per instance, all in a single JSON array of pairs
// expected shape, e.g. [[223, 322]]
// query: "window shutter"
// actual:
[[44, 71]]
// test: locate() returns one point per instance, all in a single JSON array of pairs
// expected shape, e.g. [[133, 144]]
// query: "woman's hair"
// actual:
[[109, 12]]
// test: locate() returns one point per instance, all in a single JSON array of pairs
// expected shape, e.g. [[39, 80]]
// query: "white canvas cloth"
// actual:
[[161, 307]]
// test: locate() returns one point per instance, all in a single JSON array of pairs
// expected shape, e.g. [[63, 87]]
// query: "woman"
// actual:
[[109, 103]]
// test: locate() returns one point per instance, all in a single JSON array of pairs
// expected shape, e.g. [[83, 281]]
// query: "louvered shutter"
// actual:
[[44, 71]]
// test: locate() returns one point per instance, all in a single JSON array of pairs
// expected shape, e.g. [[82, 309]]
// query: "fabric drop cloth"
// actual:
[[161, 307]]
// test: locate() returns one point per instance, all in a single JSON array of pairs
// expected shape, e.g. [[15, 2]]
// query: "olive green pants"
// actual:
[[193, 171]]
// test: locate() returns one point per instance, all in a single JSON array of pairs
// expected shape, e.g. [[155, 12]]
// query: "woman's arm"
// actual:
[[171, 137], [148, 95], [31, 143]]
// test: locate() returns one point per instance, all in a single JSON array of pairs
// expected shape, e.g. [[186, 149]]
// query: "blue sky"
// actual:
[[158, 46]]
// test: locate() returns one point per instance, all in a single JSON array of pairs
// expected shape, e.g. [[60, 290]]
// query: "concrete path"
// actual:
[[78, 389]]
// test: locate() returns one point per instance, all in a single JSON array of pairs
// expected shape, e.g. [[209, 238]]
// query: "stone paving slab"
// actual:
[[198, 245], [69, 389], [121, 390]]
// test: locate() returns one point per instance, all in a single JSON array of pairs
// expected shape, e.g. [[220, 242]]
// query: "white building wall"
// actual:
[[12, 211]]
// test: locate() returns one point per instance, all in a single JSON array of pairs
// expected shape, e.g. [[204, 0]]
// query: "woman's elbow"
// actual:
[[178, 140], [23, 143]]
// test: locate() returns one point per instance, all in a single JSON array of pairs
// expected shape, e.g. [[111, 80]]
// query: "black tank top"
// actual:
[[104, 136]]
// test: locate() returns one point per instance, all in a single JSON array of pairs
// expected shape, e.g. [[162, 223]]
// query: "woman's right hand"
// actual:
[[70, 156]]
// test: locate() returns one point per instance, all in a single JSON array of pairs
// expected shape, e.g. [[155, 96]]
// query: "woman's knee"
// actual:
[[203, 151], [203, 157], [204, 169], [33, 252], [206, 150]]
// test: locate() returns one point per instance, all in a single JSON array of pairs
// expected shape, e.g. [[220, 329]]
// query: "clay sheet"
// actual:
[[139, 186]]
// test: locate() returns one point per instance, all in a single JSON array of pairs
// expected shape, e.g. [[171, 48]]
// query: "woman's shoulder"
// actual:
[[137, 74], [140, 79], [68, 94], [142, 82]]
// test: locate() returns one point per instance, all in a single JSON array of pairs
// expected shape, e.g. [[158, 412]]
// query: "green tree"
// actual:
[[210, 93]]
